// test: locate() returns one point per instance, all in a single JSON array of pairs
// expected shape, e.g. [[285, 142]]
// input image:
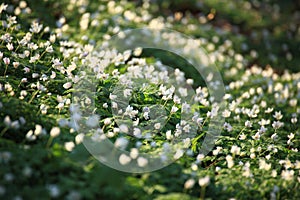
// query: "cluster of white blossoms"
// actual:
[[168, 96]]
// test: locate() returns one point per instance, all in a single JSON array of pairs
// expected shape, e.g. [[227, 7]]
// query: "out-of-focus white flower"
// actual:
[[30, 136], [6, 61], [35, 27], [121, 143], [69, 146], [142, 162], [123, 128], [227, 127], [189, 183], [79, 138], [235, 150], [38, 130], [124, 159], [3, 7], [287, 174], [54, 190], [67, 85], [203, 182], [55, 131], [229, 160]]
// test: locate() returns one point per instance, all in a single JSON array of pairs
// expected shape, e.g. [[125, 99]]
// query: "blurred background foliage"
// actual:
[[270, 27], [265, 32]]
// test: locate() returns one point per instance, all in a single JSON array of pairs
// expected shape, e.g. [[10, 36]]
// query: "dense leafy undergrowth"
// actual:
[[43, 47]]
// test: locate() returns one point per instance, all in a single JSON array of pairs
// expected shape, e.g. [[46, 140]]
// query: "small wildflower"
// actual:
[[203, 182]]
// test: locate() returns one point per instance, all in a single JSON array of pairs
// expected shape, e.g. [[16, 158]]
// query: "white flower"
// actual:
[[27, 171], [274, 136], [157, 126], [30, 136], [137, 132], [189, 184], [262, 130], [235, 150], [169, 135], [264, 122], [53, 190], [256, 136], [134, 152], [176, 99], [227, 127], [185, 108], [203, 182], [213, 113], [79, 138], [226, 113], [146, 115], [127, 92], [174, 109], [67, 85], [7, 121], [49, 49], [277, 124], [35, 75], [269, 110], [123, 128], [183, 92], [142, 162], [186, 128], [105, 105], [291, 136], [274, 173], [178, 154], [55, 131], [107, 121], [16, 64], [294, 120], [278, 115], [10, 46], [121, 143], [52, 38], [84, 21], [69, 146], [288, 174], [38, 130], [264, 165], [124, 159], [217, 151], [130, 112], [293, 102], [35, 27], [6, 61], [229, 160], [15, 124], [242, 136], [3, 7]]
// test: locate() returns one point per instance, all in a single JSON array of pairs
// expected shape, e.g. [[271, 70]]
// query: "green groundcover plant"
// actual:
[[43, 47]]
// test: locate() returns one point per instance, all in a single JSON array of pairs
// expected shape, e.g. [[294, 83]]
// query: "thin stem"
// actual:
[[202, 195], [34, 94], [5, 71], [3, 131], [240, 132], [49, 142]]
